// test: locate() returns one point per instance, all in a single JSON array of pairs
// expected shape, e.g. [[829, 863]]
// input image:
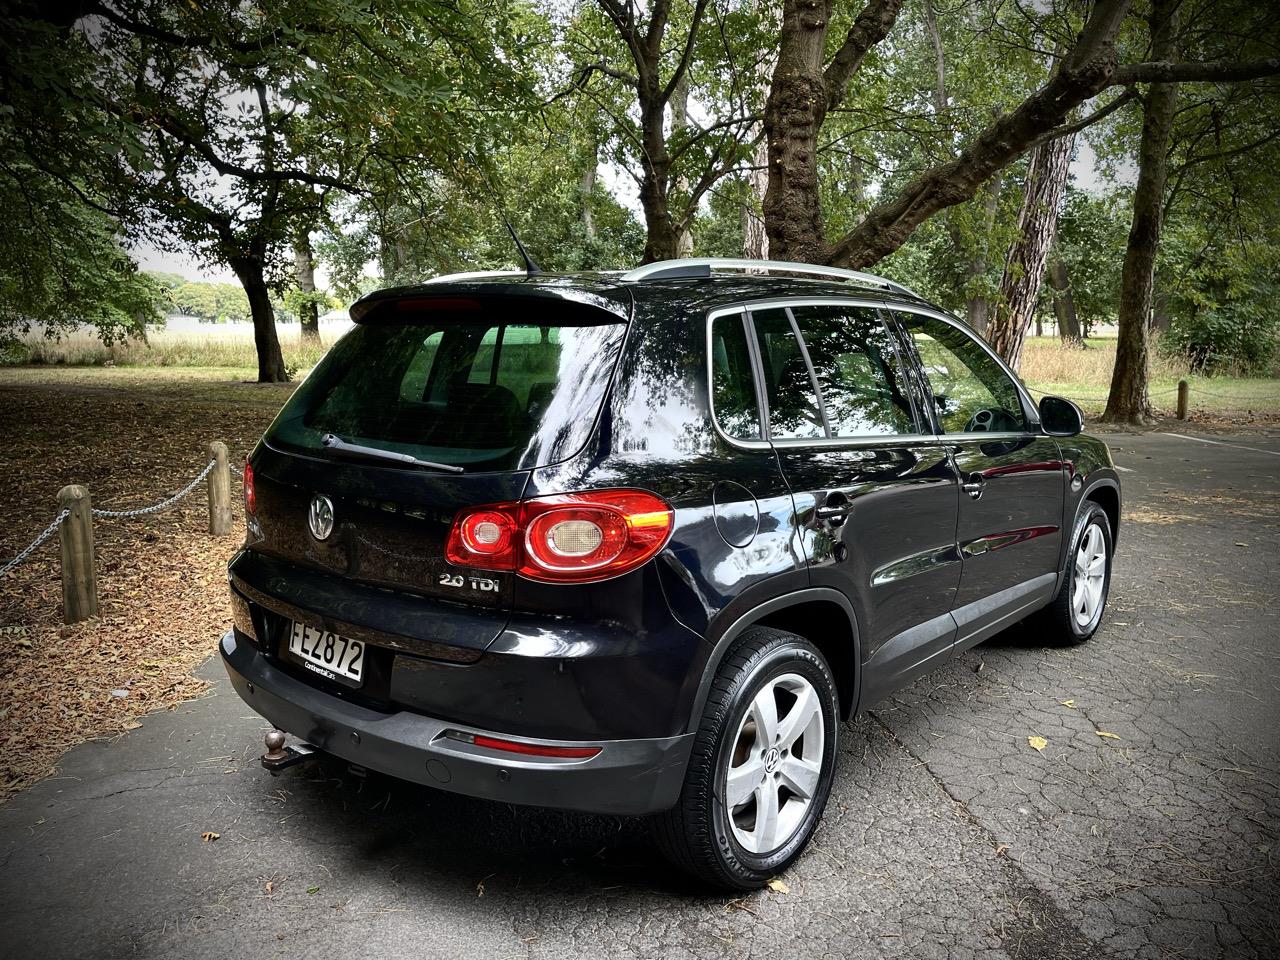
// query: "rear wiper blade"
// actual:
[[335, 443]]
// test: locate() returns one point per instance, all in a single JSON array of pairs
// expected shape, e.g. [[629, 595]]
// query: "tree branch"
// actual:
[[255, 45], [686, 56], [871, 26], [1168, 71], [225, 167], [1071, 128]]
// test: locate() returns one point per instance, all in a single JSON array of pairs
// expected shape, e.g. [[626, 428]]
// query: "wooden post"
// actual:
[[1183, 392], [79, 577], [219, 490]]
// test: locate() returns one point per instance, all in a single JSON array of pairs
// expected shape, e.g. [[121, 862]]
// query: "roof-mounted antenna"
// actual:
[[531, 269]]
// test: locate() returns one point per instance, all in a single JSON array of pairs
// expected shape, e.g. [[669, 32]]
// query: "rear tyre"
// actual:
[[761, 767], [1076, 612]]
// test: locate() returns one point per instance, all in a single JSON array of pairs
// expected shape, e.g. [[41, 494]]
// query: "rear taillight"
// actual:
[[250, 498], [569, 538]]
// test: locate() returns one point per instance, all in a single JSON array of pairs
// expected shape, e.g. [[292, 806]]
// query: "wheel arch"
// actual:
[[1106, 494], [822, 615]]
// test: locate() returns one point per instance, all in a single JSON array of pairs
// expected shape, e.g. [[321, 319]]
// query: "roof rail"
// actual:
[[694, 267], [475, 275]]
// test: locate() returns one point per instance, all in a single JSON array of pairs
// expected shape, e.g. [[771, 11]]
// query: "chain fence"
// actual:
[[1230, 396], [165, 504], [35, 544]]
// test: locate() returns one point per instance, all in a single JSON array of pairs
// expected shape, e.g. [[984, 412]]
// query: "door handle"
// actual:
[[834, 510], [974, 486]]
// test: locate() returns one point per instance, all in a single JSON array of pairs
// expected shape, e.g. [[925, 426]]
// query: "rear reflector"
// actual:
[[527, 749], [250, 496]]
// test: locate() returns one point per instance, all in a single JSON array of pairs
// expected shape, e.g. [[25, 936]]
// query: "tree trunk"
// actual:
[[1064, 304], [586, 188], [755, 240], [679, 104], [1128, 401], [1024, 266], [1161, 318], [661, 238], [939, 59], [793, 115], [305, 277], [978, 306], [249, 270], [800, 95]]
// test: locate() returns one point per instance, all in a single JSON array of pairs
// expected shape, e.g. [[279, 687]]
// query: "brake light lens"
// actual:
[[569, 538], [250, 498]]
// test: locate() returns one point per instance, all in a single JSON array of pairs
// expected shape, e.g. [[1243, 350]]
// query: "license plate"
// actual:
[[331, 656]]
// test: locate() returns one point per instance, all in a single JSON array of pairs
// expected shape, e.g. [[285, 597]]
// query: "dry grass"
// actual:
[[1046, 360], [219, 347], [1085, 376]]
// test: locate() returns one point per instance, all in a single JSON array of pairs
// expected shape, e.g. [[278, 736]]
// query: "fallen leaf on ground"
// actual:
[[1069, 704], [1001, 848], [1109, 736], [271, 885], [779, 886], [313, 889], [1037, 743], [209, 836]]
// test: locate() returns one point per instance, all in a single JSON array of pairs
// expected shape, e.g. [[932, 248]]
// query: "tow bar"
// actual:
[[278, 756]]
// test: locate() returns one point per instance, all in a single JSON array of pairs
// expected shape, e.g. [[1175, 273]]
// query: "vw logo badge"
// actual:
[[320, 517]]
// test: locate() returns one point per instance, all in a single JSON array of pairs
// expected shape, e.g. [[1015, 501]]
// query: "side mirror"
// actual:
[[1060, 417]]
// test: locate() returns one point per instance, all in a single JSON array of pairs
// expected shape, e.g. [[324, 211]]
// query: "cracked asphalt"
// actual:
[[946, 836]]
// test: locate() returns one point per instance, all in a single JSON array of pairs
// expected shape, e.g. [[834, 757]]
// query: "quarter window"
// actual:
[[733, 392], [857, 368], [971, 391]]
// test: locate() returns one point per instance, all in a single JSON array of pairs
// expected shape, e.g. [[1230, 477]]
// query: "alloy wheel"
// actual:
[[1089, 577], [776, 764]]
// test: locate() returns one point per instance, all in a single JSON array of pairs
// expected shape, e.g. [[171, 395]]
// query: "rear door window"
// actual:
[[794, 410], [501, 386], [856, 363]]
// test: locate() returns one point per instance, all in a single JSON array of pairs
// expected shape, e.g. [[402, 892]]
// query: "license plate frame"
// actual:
[[308, 646]]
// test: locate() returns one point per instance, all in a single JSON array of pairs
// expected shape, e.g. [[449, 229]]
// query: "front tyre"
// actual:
[[1076, 612], [761, 767]]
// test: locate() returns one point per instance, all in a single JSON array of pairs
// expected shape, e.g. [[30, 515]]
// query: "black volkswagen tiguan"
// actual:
[[639, 543]]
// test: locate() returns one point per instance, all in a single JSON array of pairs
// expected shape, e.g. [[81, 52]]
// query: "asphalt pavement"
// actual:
[[946, 836]]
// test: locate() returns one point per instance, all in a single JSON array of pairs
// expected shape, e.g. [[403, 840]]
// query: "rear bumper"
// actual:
[[627, 777]]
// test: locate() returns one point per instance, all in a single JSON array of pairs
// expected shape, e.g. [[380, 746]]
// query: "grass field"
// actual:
[[1085, 376], [1047, 367], [222, 346]]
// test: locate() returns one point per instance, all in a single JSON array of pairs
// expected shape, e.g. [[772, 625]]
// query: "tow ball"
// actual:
[[278, 756]]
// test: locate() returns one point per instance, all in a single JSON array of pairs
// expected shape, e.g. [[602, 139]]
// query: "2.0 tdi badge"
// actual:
[[320, 517]]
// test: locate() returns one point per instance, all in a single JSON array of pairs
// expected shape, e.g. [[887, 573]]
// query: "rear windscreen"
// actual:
[[494, 387]]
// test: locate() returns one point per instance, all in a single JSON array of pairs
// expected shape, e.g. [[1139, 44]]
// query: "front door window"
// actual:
[[971, 391]]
